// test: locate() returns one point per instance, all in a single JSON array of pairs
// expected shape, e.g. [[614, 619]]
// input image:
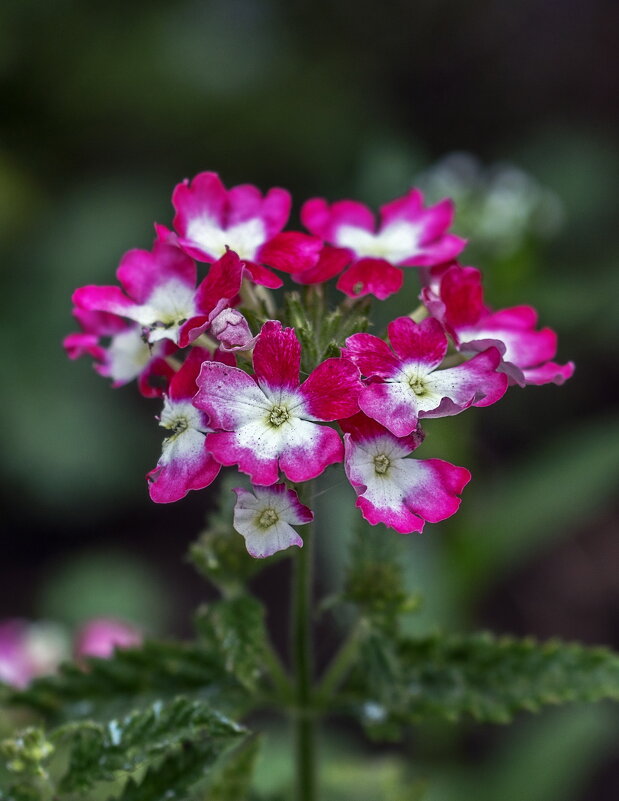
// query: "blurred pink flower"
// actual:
[[102, 636]]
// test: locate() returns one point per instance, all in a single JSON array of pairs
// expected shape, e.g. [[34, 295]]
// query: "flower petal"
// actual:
[[422, 343], [290, 251], [332, 389], [370, 276], [277, 357], [371, 355]]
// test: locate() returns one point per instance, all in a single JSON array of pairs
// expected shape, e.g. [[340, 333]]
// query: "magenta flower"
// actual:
[[268, 422], [407, 384], [100, 637], [184, 464], [126, 355], [455, 297], [265, 518], [391, 489], [160, 293], [408, 236], [210, 218]]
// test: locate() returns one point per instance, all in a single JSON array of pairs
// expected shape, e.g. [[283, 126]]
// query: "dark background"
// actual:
[[104, 107]]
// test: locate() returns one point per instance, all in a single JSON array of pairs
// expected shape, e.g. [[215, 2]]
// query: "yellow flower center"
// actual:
[[268, 518], [278, 416], [381, 464]]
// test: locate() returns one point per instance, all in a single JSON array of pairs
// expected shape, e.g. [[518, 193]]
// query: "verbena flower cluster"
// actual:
[[217, 351]]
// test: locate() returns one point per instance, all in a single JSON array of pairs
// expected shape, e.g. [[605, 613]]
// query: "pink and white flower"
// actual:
[[408, 236], [160, 293], [28, 650], [265, 518], [402, 493], [125, 356], [405, 383], [210, 218], [100, 637], [184, 464], [455, 296], [268, 422]]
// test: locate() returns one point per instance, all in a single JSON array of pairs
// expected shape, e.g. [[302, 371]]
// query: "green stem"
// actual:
[[341, 664], [302, 660]]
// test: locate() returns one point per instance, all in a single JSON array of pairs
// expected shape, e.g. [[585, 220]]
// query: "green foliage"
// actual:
[[322, 333], [235, 629], [182, 769], [99, 752], [375, 580], [482, 676], [156, 670], [232, 780], [220, 554]]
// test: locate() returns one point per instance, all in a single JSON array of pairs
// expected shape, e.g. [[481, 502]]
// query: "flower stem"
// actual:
[[341, 664], [302, 660]]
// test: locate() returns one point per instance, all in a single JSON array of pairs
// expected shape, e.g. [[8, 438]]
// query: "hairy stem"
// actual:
[[302, 660]]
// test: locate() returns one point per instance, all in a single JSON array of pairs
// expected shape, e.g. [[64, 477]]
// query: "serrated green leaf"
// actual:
[[481, 676], [155, 670], [180, 770], [233, 780], [235, 628], [102, 752]]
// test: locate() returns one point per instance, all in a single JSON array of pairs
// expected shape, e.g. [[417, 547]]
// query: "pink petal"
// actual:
[[204, 196], [433, 487], [141, 272], [371, 355], [363, 428], [444, 249], [371, 277], [399, 518], [108, 299], [462, 293], [332, 389], [77, 345], [435, 220], [100, 323], [306, 462], [290, 251], [331, 262], [190, 467], [227, 450], [323, 221], [424, 343], [228, 395], [549, 373], [277, 356], [263, 276], [221, 285], [245, 203], [474, 383], [183, 384], [406, 208], [392, 405]]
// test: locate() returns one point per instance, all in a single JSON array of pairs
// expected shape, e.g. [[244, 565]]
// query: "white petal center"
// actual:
[[394, 242]]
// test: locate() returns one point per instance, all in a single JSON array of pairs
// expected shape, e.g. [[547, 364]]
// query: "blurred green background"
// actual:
[[106, 106]]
